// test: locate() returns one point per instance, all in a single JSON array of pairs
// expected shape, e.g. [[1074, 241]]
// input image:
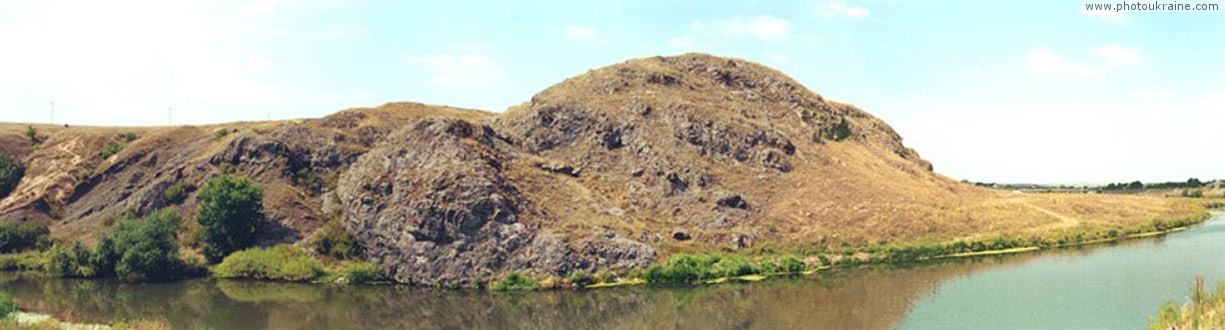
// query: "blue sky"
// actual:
[[1011, 91]]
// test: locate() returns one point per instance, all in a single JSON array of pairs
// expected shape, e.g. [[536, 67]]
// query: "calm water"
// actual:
[[1105, 287]]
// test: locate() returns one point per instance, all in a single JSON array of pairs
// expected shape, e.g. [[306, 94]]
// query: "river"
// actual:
[[1108, 286]]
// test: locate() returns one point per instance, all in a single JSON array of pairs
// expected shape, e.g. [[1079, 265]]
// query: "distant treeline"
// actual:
[[1134, 185], [1190, 183]]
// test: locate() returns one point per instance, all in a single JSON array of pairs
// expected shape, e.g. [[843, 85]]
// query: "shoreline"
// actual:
[[851, 258], [1208, 215]]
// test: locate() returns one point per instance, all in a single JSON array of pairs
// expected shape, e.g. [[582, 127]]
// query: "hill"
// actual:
[[611, 169]]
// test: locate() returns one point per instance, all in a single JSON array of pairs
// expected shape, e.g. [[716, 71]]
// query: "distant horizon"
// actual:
[[975, 87]]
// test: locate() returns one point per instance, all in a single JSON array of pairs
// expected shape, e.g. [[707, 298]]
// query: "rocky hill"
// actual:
[[611, 169]]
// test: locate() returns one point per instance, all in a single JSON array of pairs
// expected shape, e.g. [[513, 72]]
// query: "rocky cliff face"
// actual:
[[609, 169], [596, 171]]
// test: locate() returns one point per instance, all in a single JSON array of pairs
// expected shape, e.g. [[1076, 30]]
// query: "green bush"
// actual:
[[515, 282], [1192, 193], [177, 193], [362, 272], [769, 266], [684, 268], [22, 237], [32, 134], [110, 149], [735, 266], [128, 137], [146, 248], [10, 175], [6, 305], [334, 241], [230, 215], [220, 133], [140, 249], [580, 278], [791, 264], [280, 263]]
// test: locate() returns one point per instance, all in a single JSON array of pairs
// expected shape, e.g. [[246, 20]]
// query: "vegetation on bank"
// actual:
[[686, 268], [10, 174], [140, 249], [6, 305], [714, 268], [334, 241], [289, 264], [147, 249], [279, 263], [23, 237], [230, 214], [515, 282], [1206, 310]]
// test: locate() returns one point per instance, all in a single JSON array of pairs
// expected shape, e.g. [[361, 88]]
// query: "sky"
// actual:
[[992, 91]]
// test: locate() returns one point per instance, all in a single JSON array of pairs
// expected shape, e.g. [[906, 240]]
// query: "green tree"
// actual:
[[10, 174], [32, 134], [230, 214], [146, 248], [6, 305]]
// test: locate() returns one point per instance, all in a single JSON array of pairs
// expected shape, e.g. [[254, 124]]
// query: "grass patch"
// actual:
[[25, 261], [278, 263], [110, 149], [355, 272], [515, 282], [177, 193], [687, 268]]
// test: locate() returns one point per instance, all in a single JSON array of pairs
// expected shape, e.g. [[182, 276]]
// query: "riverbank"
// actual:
[[699, 274], [273, 264], [939, 294], [1205, 310]]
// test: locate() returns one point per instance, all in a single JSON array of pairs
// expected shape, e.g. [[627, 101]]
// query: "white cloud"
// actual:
[[848, 11], [347, 32], [1153, 93], [974, 70], [1119, 55], [1046, 62], [764, 27], [706, 34], [464, 70], [578, 32]]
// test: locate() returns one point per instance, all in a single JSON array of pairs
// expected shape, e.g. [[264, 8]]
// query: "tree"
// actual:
[[140, 249], [10, 174], [230, 214], [147, 248], [32, 134], [1194, 183]]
